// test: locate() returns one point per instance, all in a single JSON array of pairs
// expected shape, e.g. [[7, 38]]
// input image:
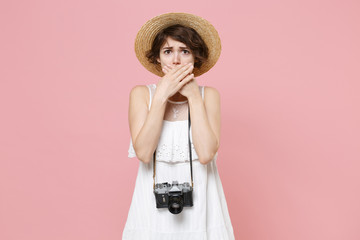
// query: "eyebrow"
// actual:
[[173, 47]]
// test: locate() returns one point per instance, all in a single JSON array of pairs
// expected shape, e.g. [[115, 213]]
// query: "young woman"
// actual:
[[177, 47]]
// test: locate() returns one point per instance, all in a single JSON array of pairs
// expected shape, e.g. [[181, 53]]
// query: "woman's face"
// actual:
[[174, 53]]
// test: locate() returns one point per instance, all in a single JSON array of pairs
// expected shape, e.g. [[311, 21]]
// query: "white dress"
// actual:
[[208, 219]]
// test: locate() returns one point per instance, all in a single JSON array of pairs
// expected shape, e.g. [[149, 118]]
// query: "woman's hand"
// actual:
[[174, 79], [189, 89]]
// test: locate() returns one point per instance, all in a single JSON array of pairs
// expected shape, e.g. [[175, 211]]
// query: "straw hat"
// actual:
[[151, 28]]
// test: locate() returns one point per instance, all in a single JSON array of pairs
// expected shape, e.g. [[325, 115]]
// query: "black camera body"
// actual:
[[173, 196]]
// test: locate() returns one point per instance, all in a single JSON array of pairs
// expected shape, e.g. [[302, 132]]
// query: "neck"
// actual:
[[177, 97]]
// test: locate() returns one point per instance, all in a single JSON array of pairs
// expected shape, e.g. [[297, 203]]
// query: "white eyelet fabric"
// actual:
[[173, 144]]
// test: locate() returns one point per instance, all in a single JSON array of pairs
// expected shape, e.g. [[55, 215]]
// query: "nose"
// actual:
[[176, 59]]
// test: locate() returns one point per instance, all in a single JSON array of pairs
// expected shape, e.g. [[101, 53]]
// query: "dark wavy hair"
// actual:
[[183, 34]]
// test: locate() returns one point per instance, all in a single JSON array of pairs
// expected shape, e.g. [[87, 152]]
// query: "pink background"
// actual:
[[289, 82]]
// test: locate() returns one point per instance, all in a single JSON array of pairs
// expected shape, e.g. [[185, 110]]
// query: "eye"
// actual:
[[167, 51], [186, 51]]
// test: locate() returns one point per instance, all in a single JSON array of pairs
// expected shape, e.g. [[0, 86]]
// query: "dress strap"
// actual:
[[151, 88]]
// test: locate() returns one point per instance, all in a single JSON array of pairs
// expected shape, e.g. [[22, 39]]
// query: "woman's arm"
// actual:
[[205, 122], [145, 126]]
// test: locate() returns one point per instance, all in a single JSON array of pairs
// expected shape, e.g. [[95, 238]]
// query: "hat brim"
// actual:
[[151, 28]]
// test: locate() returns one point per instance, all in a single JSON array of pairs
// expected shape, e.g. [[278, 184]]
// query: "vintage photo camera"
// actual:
[[173, 196]]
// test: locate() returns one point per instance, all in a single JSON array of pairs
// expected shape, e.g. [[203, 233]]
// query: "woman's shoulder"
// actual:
[[138, 88], [140, 92], [211, 94]]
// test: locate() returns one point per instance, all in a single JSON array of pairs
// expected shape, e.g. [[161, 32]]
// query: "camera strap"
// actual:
[[190, 152]]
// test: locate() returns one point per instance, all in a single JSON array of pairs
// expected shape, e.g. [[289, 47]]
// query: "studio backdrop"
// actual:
[[288, 76]]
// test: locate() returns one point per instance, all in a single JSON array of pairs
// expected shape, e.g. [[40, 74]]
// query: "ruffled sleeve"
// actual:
[[131, 150]]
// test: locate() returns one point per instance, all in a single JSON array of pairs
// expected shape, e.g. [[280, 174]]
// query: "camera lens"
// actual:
[[176, 204]]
